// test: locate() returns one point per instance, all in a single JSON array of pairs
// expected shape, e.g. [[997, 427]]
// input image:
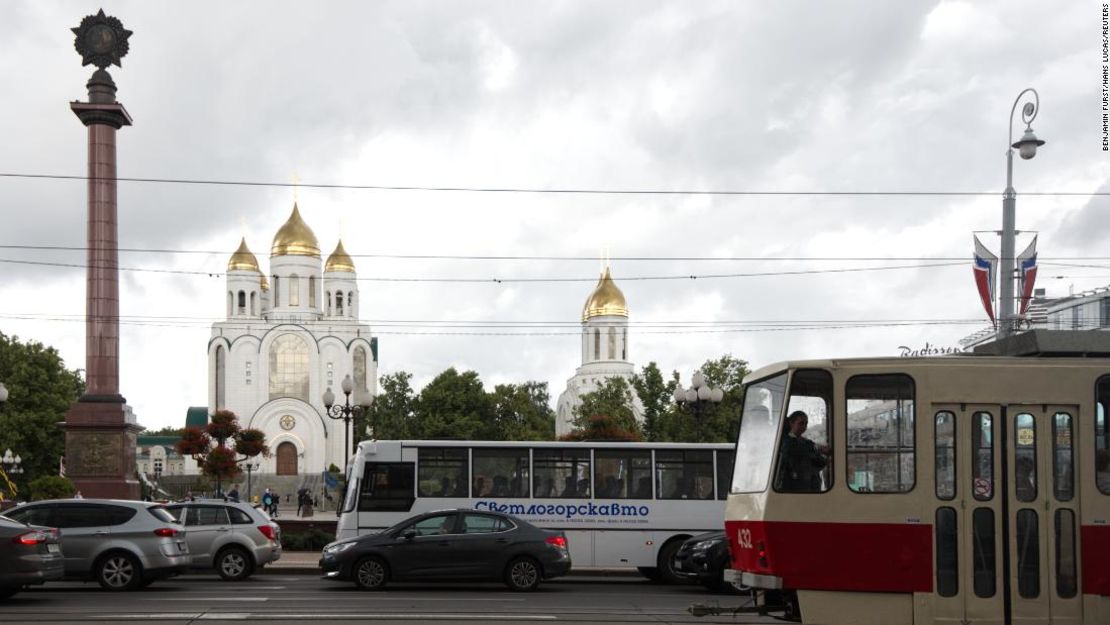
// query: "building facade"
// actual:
[[290, 334], [604, 352]]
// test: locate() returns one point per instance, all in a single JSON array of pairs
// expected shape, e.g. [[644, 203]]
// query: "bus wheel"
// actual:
[[649, 572], [371, 574], [666, 561]]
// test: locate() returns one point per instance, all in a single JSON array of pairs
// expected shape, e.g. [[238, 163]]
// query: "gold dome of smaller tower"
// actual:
[[295, 238], [606, 299], [243, 259], [339, 260], [265, 283]]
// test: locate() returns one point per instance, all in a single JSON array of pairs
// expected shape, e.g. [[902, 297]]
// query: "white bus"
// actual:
[[620, 504]]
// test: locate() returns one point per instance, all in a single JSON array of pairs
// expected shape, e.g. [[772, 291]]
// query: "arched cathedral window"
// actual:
[[221, 366], [351, 303], [612, 355], [339, 303], [242, 302], [597, 344], [294, 290], [624, 344], [277, 291], [312, 291], [289, 367], [360, 369], [327, 302]]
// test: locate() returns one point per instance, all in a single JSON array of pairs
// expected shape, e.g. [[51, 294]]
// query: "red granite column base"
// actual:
[[100, 450]]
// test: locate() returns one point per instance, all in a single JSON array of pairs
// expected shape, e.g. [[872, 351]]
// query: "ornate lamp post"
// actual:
[[11, 465], [347, 412], [698, 398], [1027, 148], [251, 466]]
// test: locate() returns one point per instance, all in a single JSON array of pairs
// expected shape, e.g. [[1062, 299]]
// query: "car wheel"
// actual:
[[371, 573], [667, 573], [523, 574], [119, 571], [234, 564], [649, 572]]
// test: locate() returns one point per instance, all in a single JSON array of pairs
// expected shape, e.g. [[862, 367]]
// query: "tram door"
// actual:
[[1005, 520]]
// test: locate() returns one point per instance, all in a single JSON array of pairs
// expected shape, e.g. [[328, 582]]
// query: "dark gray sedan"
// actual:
[[451, 545], [28, 555]]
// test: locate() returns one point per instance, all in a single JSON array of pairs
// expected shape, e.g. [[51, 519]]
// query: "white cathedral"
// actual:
[[604, 352], [287, 341]]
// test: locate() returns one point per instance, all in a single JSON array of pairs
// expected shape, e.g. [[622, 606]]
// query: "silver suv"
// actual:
[[123, 545], [232, 537]]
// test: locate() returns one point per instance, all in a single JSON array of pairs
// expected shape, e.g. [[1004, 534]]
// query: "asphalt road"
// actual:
[[296, 598]]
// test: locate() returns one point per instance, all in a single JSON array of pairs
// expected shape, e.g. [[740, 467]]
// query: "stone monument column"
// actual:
[[100, 428]]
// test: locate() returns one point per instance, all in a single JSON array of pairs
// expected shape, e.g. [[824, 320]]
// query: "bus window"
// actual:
[[945, 441], [502, 472], [1025, 457], [1102, 437], [1063, 479], [561, 473], [386, 486], [759, 426], [805, 458], [880, 433], [725, 460], [683, 474], [620, 474], [442, 472], [982, 446]]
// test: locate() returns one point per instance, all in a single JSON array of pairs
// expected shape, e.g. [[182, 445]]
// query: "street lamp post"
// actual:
[[347, 412], [697, 398], [12, 465], [1027, 148], [251, 466]]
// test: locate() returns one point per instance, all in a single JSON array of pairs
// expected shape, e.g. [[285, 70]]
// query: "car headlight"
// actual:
[[337, 548], [703, 545]]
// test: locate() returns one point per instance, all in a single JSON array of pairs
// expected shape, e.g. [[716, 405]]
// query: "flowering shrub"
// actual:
[[208, 446]]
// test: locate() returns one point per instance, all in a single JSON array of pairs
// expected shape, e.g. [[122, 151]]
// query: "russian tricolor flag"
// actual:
[[1027, 266], [984, 268]]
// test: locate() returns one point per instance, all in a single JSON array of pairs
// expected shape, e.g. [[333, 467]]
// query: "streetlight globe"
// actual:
[[3, 393], [365, 399], [691, 395], [1028, 145], [718, 395], [329, 398], [704, 393], [679, 394], [347, 385], [698, 379]]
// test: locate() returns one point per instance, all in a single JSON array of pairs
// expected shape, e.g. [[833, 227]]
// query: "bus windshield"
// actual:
[[759, 425]]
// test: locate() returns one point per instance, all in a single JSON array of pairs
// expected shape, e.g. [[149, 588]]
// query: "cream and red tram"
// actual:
[[954, 490]]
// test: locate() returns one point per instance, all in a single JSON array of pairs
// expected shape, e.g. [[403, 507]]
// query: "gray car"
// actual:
[[231, 537], [28, 555], [123, 545]]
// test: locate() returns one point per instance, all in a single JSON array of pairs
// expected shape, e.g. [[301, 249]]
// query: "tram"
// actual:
[[958, 489]]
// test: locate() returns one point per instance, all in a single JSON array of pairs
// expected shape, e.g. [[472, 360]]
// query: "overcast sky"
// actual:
[[752, 96]]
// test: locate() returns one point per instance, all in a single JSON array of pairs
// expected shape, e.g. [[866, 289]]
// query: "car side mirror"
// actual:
[[408, 534]]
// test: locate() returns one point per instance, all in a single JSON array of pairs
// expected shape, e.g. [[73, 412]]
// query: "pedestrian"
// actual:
[[77, 495], [233, 494], [268, 501]]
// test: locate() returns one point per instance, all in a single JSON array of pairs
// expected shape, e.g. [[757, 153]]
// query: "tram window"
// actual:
[[1028, 554], [561, 473], [683, 474], [880, 433], [945, 441], [1066, 582], [982, 446], [620, 474], [442, 471], [503, 472], [759, 427], [805, 458], [1063, 479], [386, 486], [725, 460], [948, 576], [1102, 437], [1025, 457], [982, 540]]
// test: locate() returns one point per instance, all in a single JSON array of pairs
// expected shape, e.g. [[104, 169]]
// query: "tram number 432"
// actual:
[[744, 537]]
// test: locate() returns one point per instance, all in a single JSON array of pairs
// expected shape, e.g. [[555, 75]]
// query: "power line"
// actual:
[[557, 191]]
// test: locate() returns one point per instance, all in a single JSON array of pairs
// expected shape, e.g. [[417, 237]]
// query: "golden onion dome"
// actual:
[[243, 259], [606, 299], [339, 260], [265, 283], [295, 238]]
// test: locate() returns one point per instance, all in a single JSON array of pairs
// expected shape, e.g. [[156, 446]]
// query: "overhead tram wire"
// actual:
[[537, 190]]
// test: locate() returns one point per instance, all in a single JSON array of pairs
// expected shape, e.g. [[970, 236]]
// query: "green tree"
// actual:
[[41, 390], [51, 487], [166, 431], [522, 412], [606, 414], [657, 397], [455, 405], [393, 411], [209, 448]]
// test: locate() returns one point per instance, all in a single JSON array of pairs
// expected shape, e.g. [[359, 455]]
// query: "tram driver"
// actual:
[[800, 459]]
